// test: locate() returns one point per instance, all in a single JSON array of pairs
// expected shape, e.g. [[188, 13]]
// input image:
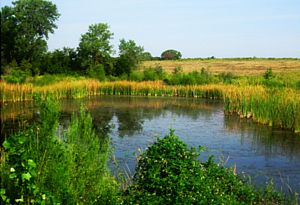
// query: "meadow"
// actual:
[[237, 66]]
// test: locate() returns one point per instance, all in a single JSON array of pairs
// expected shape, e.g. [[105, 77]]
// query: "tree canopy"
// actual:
[[130, 56], [171, 55], [25, 28], [95, 47]]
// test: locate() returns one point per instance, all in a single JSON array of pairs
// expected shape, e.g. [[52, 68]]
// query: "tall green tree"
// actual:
[[130, 56], [95, 47], [26, 27]]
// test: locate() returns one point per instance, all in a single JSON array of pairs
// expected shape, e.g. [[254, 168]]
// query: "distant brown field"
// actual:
[[238, 67]]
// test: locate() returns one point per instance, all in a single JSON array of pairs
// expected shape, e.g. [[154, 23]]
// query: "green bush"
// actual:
[[41, 167], [136, 76], [169, 172], [97, 72], [268, 74], [156, 73]]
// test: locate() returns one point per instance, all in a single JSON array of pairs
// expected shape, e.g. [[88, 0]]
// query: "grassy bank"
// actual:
[[275, 107]]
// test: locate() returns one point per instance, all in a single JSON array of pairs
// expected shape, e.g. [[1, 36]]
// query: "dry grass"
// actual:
[[238, 67]]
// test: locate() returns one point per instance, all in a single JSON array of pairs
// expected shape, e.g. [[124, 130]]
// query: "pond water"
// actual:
[[133, 123]]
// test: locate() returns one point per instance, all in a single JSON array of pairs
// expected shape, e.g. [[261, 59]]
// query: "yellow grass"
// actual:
[[238, 67], [280, 107]]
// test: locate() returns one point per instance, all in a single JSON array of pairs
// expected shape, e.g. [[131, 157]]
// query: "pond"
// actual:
[[133, 123]]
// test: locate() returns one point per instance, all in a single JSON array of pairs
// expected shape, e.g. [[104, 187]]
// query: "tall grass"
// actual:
[[278, 107], [39, 166]]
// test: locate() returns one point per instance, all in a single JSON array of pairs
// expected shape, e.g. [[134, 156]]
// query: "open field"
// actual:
[[241, 67]]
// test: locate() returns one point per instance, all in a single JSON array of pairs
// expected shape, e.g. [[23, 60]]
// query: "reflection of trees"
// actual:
[[130, 111], [130, 121], [265, 140], [101, 120]]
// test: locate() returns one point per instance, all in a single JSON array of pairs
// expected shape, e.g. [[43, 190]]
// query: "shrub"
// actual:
[[169, 172], [97, 72], [227, 77], [136, 76], [42, 168], [268, 74], [156, 73]]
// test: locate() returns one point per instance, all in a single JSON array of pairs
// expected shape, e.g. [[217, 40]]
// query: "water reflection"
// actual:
[[266, 141], [133, 122]]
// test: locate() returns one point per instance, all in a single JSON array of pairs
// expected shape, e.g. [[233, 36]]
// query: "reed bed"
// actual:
[[275, 107]]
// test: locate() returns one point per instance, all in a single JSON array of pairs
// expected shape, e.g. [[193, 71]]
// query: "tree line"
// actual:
[[25, 29]]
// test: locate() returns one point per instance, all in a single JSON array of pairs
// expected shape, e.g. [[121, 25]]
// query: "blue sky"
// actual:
[[197, 28]]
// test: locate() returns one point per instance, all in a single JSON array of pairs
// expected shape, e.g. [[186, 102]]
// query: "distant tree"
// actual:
[[25, 27], [95, 47], [146, 56], [171, 55], [59, 61], [130, 56]]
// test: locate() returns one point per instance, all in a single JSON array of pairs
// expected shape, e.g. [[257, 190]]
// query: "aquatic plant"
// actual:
[[278, 107]]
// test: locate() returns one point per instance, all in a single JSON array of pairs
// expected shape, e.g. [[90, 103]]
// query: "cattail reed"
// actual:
[[275, 107]]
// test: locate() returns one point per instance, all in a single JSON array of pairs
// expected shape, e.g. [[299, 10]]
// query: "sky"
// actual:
[[196, 28]]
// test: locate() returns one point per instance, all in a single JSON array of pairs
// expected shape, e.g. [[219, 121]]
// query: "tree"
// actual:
[[130, 56], [25, 27], [59, 61], [95, 47], [171, 55], [146, 56]]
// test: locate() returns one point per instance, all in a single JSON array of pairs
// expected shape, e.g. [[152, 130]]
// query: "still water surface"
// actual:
[[135, 122]]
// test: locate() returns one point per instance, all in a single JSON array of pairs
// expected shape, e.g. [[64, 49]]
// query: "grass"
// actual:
[[40, 166], [240, 67], [275, 107]]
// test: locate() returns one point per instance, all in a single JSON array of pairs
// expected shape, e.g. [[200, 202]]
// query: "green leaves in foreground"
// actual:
[[170, 173], [40, 167]]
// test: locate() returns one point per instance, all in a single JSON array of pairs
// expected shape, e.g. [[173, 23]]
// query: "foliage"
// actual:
[[193, 78], [18, 74], [97, 71], [26, 26], [130, 56], [171, 55], [43, 168], [146, 56], [268, 74], [60, 61], [94, 46], [169, 172], [156, 73]]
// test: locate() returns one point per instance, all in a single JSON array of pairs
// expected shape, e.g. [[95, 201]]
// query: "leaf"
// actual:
[[31, 163], [12, 176], [6, 145], [26, 176], [12, 169]]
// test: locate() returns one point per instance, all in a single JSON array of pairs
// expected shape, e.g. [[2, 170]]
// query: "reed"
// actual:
[[275, 107]]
